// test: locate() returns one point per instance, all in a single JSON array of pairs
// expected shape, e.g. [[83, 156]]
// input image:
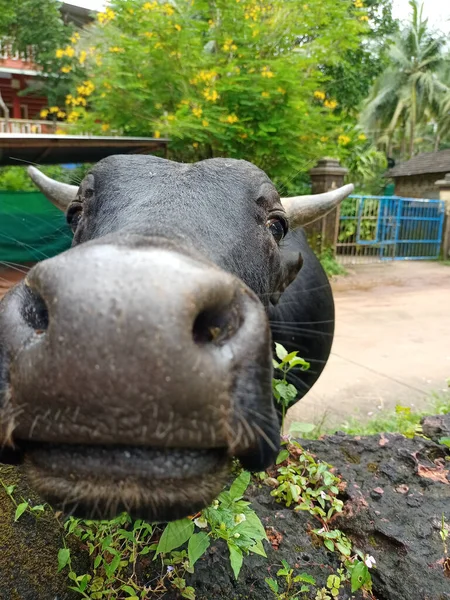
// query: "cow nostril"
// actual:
[[215, 325], [35, 311]]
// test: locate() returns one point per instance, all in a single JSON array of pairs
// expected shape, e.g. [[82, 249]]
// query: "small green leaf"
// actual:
[[281, 352], [258, 548], [345, 550], [273, 584], [445, 441], [236, 559], [128, 589], [360, 574], [175, 535], [329, 544], [63, 558], [305, 578], [97, 561], [21, 508], [282, 456], [198, 544], [239, 485]]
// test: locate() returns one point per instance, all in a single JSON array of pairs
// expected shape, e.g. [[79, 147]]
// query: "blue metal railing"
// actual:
[[391, 227]]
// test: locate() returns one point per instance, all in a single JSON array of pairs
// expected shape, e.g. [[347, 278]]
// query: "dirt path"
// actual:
[[392, 343]]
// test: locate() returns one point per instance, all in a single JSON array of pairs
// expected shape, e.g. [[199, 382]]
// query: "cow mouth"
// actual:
[[149, 483]]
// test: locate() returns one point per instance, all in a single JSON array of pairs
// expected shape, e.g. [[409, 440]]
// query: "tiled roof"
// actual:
[[432, 162]]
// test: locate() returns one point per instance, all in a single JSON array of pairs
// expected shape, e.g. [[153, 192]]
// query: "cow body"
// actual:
[[136, 364]]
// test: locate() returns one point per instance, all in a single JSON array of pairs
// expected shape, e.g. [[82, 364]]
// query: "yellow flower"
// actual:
[[69, 51], [66, 69], [363, 18], [116, 49], [195, 144], [319, 95], [197, 112], [108, 15], [331, 104], [53, 109], [228, 45], [362, 137], [149, 34], [60, 132], [210, 95], [230, 119], [107, 85], [98, 60], [265, 94], [60, 53], [73, 116], [211, 23], [105, 126], [324, 138], [266, 72], [168, 10], [344, 140], [177, 27], [359, 4], [281, 90], [61, 114], [69, 99], [158, 45], [171, 117], [157, 134], [82, 57], [74, 39], [176, 54], [44, 113], [150, 5], [205, 123]]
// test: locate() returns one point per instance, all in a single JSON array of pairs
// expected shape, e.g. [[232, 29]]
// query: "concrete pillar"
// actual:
[[444, 194], [326, 175]]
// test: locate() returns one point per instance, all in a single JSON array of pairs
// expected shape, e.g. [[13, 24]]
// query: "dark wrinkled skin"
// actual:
[[133, 366]]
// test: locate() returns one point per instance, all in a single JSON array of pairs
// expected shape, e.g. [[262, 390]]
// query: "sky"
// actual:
[[437, 11]]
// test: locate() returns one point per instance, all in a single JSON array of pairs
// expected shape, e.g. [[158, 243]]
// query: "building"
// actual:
[[17, 73], [417, 177]]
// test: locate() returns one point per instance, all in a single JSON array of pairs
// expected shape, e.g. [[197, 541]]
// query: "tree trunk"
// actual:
[[5, 111], [412, 123], [437, 142]]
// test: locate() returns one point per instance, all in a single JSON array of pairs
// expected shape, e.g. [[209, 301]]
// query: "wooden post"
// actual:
[[444, 194], [325, 176]]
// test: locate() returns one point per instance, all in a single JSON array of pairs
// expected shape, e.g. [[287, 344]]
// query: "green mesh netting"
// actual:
[[31, 228]]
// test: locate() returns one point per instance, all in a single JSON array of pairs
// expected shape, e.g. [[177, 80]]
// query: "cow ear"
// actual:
[[302, 210], [59, 194]]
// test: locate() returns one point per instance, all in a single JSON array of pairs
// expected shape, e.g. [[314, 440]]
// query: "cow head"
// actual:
[[136, 364]]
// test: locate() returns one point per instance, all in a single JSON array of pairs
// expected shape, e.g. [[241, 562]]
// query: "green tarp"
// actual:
[[31, 228]]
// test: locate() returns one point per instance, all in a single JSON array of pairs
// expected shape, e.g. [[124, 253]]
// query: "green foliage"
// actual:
[[311, 485], [402, 420], [284, 392], [24, 506], [290, 580], [115, 546], [16, 179], [330, 264], [37, 24], [239, 79], [412, 91]]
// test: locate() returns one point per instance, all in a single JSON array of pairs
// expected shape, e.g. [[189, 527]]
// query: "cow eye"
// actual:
[[277, 227], [73, 215]]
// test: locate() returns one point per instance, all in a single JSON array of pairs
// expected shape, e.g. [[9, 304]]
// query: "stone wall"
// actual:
[[418, 186]]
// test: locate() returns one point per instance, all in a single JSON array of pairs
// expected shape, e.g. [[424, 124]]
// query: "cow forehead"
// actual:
[[224, 174]]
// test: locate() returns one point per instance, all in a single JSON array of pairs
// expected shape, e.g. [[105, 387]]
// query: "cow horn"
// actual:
[[302, 210], [59, 194]]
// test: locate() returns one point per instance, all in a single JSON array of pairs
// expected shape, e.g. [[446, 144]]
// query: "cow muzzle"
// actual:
[[135, 372]]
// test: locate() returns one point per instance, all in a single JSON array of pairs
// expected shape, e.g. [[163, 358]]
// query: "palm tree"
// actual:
[[410, 87]]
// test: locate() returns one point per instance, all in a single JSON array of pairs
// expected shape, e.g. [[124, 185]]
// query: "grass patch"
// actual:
[[402, 419]]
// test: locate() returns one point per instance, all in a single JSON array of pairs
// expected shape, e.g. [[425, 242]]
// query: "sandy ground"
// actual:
[[392, 342]]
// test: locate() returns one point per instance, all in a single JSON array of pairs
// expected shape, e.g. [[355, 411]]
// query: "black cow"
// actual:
[[137, 363]]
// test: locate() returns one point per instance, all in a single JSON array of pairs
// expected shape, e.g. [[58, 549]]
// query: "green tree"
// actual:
[[241, 79], [350, 80], [37, 24], [407, 92]]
